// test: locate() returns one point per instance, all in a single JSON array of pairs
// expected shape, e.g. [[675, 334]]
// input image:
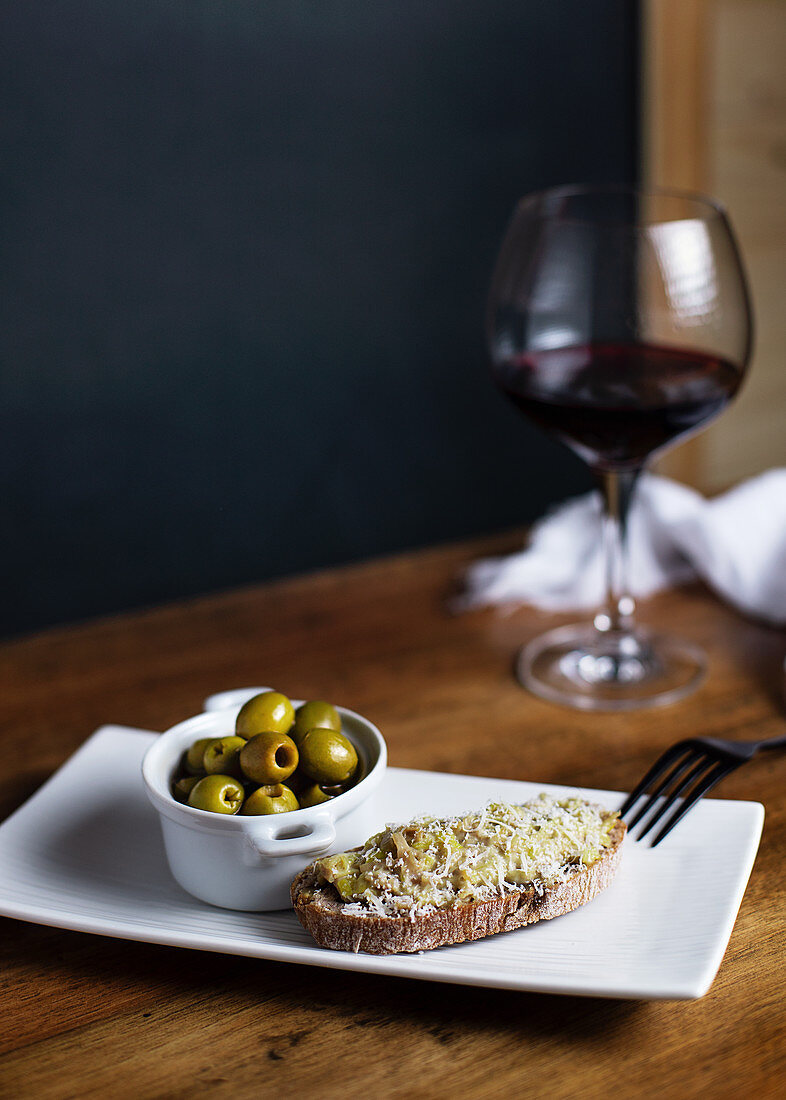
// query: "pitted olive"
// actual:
[[194, 762], [315, 714], [273, 798], [222, 756], [328, 757], [182, 787], [314, 796], [221, 794], [268, 712], [268, 757]]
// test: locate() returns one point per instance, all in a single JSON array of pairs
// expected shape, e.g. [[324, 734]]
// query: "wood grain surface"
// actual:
[[86, 1016], [713, 120]]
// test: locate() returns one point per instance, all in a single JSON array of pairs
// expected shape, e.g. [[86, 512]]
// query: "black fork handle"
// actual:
[[771, 743], [743, 749]]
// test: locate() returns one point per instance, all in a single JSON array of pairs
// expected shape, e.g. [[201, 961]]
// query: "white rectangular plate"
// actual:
[[85, 853]]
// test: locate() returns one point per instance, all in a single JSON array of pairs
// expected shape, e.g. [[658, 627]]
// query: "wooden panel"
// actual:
[[715, 121], [746, 168], [673, 103], [674, 59]]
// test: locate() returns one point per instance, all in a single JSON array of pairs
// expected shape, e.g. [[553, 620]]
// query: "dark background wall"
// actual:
[[244, 253]]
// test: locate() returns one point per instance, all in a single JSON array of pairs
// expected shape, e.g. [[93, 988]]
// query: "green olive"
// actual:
[[315, 714], [182, 788], [221, 794], [328, 757], [194, 757], [270, 711], [269, 757], [314, 796], [222, 756], [274, 798]]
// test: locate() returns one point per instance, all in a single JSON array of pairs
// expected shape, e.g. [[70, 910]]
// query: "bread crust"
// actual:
[[321, 911]]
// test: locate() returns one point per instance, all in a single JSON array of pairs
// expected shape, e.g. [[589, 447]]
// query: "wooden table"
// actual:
[[85, 1016]]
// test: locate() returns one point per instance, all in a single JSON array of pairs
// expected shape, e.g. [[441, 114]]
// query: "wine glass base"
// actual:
[[580, 666]]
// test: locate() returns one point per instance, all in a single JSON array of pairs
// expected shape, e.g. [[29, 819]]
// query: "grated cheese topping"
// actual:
[[438, 863]]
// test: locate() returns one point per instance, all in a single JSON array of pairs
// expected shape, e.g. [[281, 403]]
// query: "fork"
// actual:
[[693, 766]]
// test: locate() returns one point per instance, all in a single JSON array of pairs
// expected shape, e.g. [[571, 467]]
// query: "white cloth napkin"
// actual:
[[735, 542]]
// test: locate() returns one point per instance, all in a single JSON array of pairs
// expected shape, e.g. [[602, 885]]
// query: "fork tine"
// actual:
[[691, 757], [685, 780], [657, 769], [712, 777]]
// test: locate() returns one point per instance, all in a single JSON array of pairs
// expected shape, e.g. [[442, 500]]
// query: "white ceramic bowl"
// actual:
[[249, 862]]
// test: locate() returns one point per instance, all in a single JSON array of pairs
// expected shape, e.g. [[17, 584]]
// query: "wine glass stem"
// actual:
[[617, 490]]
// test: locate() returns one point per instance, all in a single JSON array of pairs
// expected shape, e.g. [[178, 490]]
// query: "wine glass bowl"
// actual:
[[620, 322]]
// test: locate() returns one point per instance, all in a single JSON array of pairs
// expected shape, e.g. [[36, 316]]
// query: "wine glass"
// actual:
[[619, 321]]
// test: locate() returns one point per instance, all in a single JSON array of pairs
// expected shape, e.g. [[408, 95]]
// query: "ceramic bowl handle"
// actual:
[[318, 839]]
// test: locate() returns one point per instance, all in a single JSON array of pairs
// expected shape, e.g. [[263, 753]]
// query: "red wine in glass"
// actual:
[[615, 405], [619, 322]]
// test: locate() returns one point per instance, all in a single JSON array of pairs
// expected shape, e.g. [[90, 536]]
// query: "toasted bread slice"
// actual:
[[334, 923]]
